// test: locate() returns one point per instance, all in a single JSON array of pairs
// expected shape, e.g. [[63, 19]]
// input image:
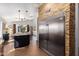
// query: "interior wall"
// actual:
[[78, 25], [0, 29], [76, 29], [35, 32]]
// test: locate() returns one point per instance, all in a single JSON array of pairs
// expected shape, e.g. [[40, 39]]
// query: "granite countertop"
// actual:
[[19, 34]]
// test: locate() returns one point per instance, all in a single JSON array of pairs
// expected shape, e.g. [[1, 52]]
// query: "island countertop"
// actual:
[[21, 39], [19, 34]]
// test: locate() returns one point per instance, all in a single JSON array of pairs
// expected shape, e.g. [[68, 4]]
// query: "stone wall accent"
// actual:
[[46, 10], [72, 30]]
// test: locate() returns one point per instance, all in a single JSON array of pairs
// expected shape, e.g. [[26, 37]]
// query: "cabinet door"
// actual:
[[43, 36], [56, 37]]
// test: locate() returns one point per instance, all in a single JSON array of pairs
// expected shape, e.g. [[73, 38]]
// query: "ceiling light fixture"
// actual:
[[20, 17]]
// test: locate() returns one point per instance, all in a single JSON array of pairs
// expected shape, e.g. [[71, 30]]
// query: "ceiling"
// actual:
[[9, 11]]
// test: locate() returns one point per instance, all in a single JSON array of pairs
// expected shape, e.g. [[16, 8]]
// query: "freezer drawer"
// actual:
[[55, 49]]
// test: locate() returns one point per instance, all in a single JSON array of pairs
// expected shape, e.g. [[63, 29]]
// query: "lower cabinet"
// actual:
[[55, 50], [21, 41]]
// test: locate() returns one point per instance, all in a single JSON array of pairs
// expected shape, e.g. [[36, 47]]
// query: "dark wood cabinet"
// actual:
[[21, 41], [14, 28]]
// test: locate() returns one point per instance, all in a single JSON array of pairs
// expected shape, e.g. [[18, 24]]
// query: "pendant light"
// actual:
[[19, 14]]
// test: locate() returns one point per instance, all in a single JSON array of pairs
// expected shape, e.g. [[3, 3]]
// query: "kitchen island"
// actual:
[[21, 39]]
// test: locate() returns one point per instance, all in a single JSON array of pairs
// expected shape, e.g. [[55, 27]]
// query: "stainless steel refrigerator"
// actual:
[[52, 35]]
